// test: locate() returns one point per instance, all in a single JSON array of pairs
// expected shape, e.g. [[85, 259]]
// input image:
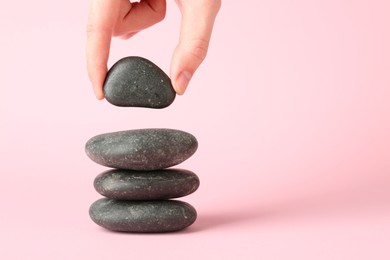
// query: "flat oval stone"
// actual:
[[146, 185], [142, 149], [142, 216], [137, 82]]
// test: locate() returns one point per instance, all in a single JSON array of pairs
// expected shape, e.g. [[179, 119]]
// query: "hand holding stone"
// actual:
[[123, 19]]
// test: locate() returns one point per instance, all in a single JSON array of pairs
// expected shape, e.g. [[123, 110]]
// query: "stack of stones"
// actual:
[[140, 188]]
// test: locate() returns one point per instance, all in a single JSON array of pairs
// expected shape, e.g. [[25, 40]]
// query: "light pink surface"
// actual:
[[291, 110]]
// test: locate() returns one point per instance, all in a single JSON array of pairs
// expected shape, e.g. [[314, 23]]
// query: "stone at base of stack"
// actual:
[[146, 216]]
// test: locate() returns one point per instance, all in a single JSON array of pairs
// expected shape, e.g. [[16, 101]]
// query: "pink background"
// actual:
[[291, 110]]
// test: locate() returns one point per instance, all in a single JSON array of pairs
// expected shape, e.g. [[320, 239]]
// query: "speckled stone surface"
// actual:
[[137, 82], [146, 185], [142, 149], [142, 216]]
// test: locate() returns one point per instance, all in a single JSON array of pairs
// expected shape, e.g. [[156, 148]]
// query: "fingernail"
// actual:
[[182, 82]]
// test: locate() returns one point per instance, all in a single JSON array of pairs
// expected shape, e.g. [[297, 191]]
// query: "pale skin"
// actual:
[[122, 18]]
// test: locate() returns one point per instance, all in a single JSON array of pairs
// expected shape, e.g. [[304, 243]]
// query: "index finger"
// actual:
[[101, 20]]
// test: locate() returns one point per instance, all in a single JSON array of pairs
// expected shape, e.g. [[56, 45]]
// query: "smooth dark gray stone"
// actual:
[[146, 185], [142, 216], [141, 149], [137, 82]]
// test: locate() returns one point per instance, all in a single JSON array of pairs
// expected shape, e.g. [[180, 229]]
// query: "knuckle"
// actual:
[[214, 4], [161, 11], [198, 49], [160, 16], [91, 28]]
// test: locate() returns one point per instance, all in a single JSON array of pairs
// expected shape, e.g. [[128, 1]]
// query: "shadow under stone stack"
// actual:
[[139, 189]]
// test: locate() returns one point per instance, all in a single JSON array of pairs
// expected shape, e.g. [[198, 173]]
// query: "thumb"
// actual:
[[197, 22]]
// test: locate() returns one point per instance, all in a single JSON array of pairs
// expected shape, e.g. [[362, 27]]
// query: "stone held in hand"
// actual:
[[138, 82], [142, 216], [146, 185], [142, 149]]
